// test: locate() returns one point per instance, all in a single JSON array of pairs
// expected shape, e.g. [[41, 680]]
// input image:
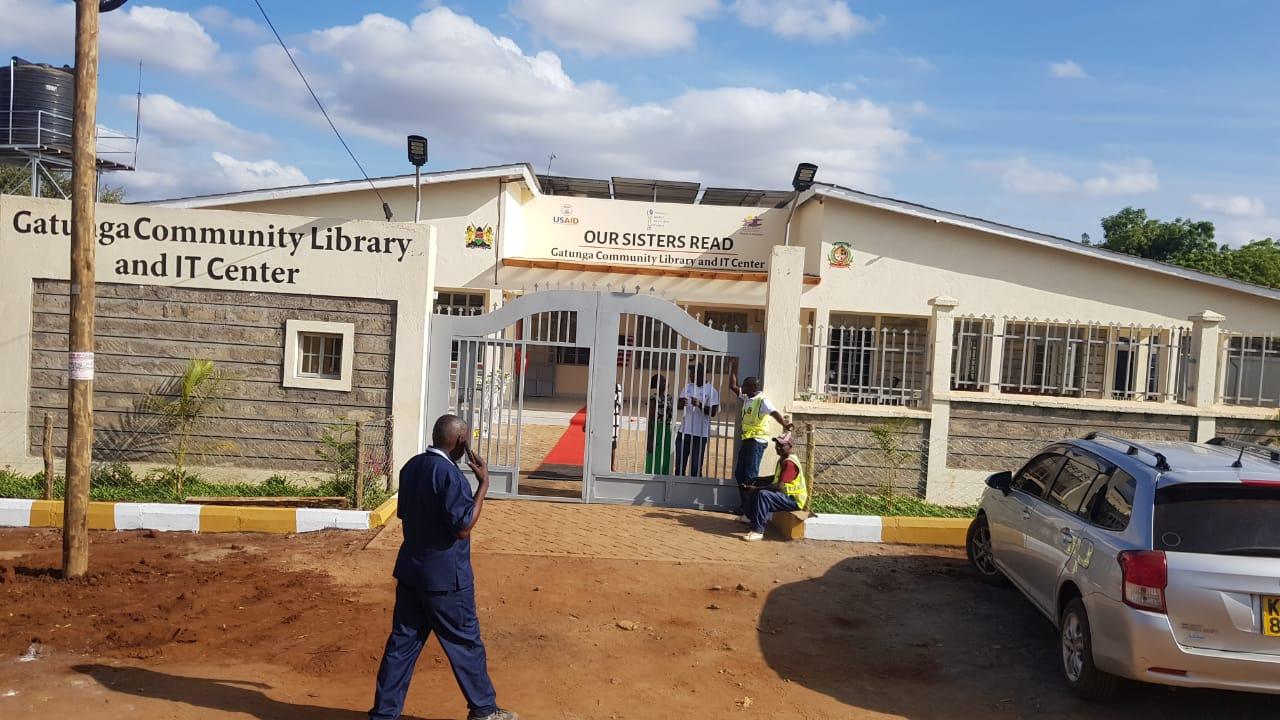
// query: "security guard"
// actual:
[[436, 589], [789, 490], [756, 411]]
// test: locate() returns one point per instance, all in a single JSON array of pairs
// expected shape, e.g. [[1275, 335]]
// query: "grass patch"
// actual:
[[873, 504], [117, 482]]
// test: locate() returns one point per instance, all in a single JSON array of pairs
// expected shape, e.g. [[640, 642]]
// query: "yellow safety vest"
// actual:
[[755, 424], [797, 489]]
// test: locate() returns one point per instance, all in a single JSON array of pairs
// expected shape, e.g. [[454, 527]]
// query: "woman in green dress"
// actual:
[[657, 456]]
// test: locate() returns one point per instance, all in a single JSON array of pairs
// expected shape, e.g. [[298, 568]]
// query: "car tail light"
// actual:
[[1146, 575]]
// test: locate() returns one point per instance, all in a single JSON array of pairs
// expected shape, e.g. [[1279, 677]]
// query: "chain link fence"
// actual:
[[342, 463]]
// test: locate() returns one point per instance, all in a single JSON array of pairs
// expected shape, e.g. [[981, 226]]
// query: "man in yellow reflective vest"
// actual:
[[789, 490], [756, 411]]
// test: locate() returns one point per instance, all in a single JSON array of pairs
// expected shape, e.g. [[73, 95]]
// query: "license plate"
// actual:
[[1271, 615]]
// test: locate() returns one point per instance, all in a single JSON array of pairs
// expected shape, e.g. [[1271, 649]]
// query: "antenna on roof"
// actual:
[[550, 157], [1239, 463]]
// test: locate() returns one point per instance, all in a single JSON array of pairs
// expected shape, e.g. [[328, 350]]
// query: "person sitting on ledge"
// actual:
[[788, 491]]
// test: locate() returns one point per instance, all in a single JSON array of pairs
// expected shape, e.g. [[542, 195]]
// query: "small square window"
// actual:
[[319, 355]]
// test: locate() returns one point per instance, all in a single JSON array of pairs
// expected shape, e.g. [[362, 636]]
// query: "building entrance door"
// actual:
[[576, 396]]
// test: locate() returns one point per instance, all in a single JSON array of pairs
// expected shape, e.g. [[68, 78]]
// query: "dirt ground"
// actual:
[[222, 626]]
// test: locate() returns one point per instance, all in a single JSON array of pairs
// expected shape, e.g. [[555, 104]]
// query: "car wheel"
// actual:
[[978, 546], [1083, 677]]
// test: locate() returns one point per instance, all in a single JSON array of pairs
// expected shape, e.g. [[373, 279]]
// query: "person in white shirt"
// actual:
[[700, 402]]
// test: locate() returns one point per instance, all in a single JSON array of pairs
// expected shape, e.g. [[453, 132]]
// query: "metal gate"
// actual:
[[628, 359]]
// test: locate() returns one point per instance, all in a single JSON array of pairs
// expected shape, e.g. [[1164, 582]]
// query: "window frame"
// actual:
[[1057, 453], [291, 372], [1090, 465]]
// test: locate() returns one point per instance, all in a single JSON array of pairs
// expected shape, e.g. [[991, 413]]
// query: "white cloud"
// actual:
[[1067, 69], [152, 35], [1023, 177], [807, 19], [489, 101], [187, 150], [174, 123], [219, 18], [1231, 205], [1133, 178], [608, 27], [249, 174]]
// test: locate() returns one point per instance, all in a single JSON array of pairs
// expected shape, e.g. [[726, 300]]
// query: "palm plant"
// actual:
[[185, 402]]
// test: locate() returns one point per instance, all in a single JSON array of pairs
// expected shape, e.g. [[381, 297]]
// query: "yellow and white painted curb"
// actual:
[[167, 517], [898, 530]]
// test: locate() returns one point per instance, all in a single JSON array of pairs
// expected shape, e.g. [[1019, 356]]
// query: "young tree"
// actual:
[[186, 402]]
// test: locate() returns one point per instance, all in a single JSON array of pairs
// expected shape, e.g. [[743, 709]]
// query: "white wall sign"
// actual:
[[675, 235]]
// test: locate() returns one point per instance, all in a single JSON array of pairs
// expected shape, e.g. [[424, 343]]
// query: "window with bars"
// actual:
[[725, 320], [458, 303], [321, 355]]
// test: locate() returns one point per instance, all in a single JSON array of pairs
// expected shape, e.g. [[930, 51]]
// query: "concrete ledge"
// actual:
[[926, 531], [192, 518], [899, 530], [383, 514], [790, 524]]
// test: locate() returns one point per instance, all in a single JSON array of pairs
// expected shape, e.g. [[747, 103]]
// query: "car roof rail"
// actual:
[[1162, 463], [1267, 451]]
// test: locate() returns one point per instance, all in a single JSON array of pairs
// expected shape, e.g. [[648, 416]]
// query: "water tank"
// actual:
[[36, 104]]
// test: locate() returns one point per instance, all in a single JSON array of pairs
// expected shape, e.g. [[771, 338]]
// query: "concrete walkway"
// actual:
[[614, 532]]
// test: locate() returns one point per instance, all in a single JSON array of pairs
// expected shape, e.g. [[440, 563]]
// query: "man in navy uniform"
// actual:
[[436, 590]]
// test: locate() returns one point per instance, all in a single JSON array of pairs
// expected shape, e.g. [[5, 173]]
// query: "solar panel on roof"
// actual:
[[576, 187], [745, 197], [655, 190]]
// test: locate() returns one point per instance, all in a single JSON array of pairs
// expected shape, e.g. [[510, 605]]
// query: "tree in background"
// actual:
[[1190, 244], [16, 180]]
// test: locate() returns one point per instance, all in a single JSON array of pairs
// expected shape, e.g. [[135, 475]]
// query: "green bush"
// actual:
[[117, 482]]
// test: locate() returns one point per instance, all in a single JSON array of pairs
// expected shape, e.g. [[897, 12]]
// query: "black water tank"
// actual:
[[32, 88]]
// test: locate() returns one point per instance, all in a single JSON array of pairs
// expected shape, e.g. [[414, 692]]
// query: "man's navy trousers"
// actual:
[[451, 615]]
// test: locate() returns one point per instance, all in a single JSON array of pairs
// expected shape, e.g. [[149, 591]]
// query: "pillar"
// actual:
[[781, 332], [941, 334], [995, 357], [1202, 386], [781, 318]]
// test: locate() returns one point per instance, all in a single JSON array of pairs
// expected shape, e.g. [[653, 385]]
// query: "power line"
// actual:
[[386, 209]]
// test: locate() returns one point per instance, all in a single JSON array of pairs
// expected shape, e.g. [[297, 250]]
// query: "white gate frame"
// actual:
[[601, 311]]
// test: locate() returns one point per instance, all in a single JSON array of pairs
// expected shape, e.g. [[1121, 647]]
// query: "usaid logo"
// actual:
[[565, 217]]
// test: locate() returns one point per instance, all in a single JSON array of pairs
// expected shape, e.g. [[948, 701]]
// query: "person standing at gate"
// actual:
[[657, 444], [789, 490], [700, 401], [435, 591], [756, 411]]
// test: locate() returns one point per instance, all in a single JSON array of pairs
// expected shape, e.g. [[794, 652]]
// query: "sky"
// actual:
[[1023, 113]]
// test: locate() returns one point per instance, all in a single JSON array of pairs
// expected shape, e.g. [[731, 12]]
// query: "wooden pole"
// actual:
[[75, 533], [47, 446], [359, 464], [810, 451]]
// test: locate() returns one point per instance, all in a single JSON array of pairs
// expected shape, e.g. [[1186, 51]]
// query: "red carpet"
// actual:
[[571, 447]]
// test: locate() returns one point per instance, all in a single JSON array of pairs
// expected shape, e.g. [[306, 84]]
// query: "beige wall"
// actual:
[[404, 278], [450, 207], [900, 262]]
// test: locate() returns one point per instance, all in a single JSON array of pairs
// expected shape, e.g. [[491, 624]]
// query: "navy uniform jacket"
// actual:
[[435, 505]]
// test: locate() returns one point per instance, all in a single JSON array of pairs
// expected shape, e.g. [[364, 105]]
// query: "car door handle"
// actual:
[[1026, 513], [1067, 536]]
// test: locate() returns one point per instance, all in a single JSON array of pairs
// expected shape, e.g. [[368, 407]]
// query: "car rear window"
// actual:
[[1218, 519]]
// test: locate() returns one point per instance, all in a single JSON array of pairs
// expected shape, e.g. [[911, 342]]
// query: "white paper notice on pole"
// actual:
[[80, 365]]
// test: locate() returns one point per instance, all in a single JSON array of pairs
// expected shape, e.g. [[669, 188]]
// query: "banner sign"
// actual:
[[596, 231]]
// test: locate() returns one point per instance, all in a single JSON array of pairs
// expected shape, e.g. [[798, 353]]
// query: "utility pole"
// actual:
[[75, 524]]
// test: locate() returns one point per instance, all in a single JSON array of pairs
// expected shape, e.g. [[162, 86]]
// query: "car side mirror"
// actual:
[[1001, 481]]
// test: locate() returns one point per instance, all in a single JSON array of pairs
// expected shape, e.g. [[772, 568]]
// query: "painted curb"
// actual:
[[895, 530], [167, 517]]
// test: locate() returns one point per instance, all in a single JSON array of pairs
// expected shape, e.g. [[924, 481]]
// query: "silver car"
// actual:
[[1158, 562]]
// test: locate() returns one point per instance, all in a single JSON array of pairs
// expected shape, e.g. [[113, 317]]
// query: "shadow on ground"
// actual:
[[246, 697], [920, 637], [715, 523]]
